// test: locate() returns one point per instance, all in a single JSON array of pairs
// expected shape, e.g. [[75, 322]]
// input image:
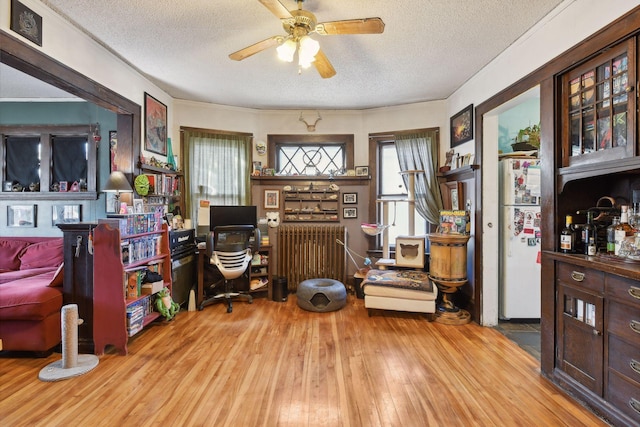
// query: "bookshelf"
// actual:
[[122, 306], [167, 186]]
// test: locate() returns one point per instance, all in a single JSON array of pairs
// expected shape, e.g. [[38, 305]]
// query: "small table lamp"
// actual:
[[117, 183]]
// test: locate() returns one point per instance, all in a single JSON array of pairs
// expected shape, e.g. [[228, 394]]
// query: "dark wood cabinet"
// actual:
[[591, 304], [77, 287], [598, 332]]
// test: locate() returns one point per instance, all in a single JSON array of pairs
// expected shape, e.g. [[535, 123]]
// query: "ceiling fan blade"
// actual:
[[324, 67], [351, 26], [255, 48], [276, 8]]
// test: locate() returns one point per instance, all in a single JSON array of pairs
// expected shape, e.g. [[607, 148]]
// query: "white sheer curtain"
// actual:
[[419, 151], [217, 169]]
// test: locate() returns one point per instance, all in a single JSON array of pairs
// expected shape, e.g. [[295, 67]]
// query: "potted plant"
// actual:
[[528, 139]]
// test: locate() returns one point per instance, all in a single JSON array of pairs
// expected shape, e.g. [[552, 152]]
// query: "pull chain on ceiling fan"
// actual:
[[299, 24]]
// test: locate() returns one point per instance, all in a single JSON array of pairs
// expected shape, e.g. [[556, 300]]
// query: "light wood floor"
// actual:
[[269, 364]]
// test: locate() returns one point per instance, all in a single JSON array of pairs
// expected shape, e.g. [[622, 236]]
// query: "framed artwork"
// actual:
[[462, 126], [22, 216], [410, 251], [350, 198], [66, 214], [111, 203], [452, 195], [138, 205], [64, 186], [113, 150], [362, 170], [271, 199], [155, 125], [349, 212], [26, 22]]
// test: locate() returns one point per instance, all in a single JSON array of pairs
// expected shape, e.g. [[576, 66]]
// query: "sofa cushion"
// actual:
[[30, 298], [43, 254], [9, 251], [11, 276]]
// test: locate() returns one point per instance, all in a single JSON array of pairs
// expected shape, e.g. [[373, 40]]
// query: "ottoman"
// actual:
[[321, 295]]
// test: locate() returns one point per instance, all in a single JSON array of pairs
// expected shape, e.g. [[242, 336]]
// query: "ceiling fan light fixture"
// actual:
[[308, 49], [286, 50]]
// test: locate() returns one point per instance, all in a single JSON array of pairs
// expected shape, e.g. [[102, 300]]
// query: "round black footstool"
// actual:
[[321, 295]]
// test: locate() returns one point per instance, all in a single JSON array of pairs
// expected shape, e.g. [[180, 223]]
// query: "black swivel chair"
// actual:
[[229, 249]]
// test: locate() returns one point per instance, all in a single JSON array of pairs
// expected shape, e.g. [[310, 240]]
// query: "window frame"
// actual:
[[47, 135], [274, 142]]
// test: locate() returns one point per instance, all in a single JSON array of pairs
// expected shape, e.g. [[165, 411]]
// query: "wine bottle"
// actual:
[[611, 235], [568, 236], [589, 231]]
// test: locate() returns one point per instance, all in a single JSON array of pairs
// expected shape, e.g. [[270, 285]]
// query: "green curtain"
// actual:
[[419, 151], [217, 169]]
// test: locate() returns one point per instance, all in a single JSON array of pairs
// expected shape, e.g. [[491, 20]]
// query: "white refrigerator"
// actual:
[[520, 256]]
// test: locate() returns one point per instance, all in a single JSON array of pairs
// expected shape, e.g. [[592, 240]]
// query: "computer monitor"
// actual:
[[232, 215]]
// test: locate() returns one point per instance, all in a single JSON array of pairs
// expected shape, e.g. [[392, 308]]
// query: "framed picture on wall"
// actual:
[[113, 150], [462, 126], [155, 125], [349, 212], [350, 198], [66, 214], [271, 199], [22, 216]]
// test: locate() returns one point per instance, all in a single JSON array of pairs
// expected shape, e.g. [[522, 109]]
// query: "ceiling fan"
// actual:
[[299, 24]]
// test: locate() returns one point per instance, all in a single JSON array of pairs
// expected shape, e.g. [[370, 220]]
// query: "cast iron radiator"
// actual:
[[310, 251]]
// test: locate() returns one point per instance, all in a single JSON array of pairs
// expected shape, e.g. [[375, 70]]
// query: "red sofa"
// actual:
[[30, 293]]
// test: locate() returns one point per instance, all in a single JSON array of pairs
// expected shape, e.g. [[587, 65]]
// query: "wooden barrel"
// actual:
[[448, 257]]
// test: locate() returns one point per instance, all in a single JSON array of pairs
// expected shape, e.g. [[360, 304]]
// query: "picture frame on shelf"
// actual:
[[452, 195], [66, 214], [111, 205], [271, 199], [22, 216], [410, 251], [155, 125], [349, 213], [362, 170], [350, 198], [461, 126], [138, 205], [64, 186]]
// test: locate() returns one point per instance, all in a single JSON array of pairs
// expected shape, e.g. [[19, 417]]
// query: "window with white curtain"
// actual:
[[218, 168], [390, 186]]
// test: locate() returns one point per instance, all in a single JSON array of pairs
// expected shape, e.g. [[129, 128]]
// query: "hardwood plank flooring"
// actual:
[[274, 364]]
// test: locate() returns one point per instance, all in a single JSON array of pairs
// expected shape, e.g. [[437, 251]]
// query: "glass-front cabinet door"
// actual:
[[598, 101]]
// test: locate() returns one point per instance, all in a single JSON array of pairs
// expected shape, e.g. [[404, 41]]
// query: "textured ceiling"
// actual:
[[429, 48]]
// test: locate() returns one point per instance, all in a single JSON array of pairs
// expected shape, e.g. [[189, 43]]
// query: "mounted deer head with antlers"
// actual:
[[310, 128]]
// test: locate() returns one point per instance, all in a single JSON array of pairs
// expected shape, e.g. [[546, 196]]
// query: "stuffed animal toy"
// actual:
[[165, 305], [273, 219]]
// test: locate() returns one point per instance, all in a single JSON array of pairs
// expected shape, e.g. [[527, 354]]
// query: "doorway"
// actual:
[[497, 129]]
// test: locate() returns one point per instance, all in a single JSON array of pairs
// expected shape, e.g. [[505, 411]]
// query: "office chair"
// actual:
[[228, 248]]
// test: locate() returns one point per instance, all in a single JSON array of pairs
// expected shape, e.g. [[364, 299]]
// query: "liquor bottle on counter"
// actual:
[[568, 237], [589, 231], [611, 235], [623, 229]]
